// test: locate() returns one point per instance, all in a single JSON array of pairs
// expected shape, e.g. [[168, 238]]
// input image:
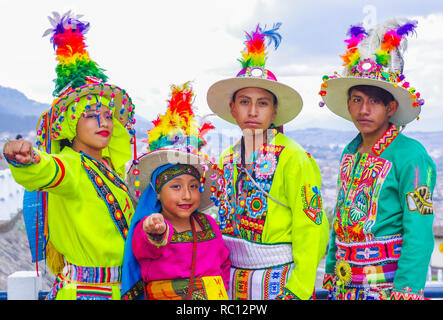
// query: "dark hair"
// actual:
[[65, 143], [234, 96], [373, 92]]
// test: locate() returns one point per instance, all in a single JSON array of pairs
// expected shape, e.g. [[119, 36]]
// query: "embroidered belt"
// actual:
[[376, 251], [251, 255]]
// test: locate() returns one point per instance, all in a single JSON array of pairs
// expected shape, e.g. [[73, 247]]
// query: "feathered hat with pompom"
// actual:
[[375, 57], [255, 74], [177, 137], [81, 83]]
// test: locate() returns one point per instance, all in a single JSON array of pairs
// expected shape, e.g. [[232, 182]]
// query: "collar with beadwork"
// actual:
[[380, 145]]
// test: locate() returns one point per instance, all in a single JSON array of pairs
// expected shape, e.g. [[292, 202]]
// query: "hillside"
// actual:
[[20, 115]]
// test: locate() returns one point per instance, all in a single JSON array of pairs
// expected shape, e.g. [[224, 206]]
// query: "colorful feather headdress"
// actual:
[[178, 127], [75, 66], [254, 73], [377, 54], [78, 76], [254, 54], [381, 49], [177, 137]]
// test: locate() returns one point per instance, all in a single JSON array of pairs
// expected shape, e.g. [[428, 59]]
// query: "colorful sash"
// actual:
[[366, 270], [205, 288], [380, 250], [105, 193], [86, 283]]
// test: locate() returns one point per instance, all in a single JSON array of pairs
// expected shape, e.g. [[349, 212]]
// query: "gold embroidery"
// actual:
[[420, 200]]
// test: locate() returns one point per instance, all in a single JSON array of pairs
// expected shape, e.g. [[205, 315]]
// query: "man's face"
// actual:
[[369, 114], [253, 109]]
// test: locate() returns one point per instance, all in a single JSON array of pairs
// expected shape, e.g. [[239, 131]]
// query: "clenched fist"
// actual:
[[154, 224], [19, 150]]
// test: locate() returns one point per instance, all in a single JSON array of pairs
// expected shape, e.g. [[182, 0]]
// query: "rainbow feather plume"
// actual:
[[68, 39], [254, 53], [178, 128], [392, 40], [352, 55]]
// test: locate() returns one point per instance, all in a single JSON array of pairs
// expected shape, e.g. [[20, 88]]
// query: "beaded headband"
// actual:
[[174, 172]]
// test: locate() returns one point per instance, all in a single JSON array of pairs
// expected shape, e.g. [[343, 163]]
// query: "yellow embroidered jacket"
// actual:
[[291, 213]]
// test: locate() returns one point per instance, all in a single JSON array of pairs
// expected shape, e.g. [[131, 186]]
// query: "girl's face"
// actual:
[[94, 130], [180, 197]]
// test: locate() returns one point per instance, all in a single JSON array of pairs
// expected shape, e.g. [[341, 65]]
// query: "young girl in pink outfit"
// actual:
[[173, 250]]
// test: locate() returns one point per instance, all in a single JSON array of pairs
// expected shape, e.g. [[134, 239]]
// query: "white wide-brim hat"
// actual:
[[150, 161], [289, 101], [374, 57], [336, 98]]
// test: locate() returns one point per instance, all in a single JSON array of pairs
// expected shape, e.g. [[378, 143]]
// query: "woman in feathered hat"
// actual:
[[382, 238], [83, 144], [174, 251], [271, 214]]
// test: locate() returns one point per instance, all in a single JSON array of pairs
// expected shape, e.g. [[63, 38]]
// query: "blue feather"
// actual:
[[272, 35], [356, 30], [407, 28]]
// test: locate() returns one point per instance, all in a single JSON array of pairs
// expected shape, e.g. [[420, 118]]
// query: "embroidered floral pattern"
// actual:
[[243, 214], [312, 203], [361, 178], [206, 234]]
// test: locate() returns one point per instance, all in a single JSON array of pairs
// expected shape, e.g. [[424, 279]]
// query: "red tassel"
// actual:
[[36, 239]]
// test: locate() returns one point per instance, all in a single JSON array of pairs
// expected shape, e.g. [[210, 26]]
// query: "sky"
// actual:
[[146, 46]]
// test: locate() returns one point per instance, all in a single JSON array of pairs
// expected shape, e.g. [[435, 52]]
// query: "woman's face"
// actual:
[[180, 197], [94, 129]]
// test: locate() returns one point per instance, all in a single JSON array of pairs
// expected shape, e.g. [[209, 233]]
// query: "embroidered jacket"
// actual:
[[86, 203], [383, 218], [284, 170]]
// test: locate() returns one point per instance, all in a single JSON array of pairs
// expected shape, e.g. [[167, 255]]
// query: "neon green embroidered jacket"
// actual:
[[384, 198], [80, 224], [291, 176]]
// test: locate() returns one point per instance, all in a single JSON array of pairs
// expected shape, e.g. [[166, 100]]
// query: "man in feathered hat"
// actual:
[[382, 238], [271, 214], [78, 171]]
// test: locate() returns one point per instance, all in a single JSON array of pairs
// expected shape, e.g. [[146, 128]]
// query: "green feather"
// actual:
[[382, 57]]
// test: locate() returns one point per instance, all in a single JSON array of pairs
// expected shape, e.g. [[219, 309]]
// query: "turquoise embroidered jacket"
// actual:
[[386, 196]]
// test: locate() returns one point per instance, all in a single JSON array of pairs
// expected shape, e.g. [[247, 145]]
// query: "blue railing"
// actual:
[[431, 292]]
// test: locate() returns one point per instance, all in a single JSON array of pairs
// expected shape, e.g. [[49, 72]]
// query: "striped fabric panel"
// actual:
[[96, 275], [89, 292], [58, 176]]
